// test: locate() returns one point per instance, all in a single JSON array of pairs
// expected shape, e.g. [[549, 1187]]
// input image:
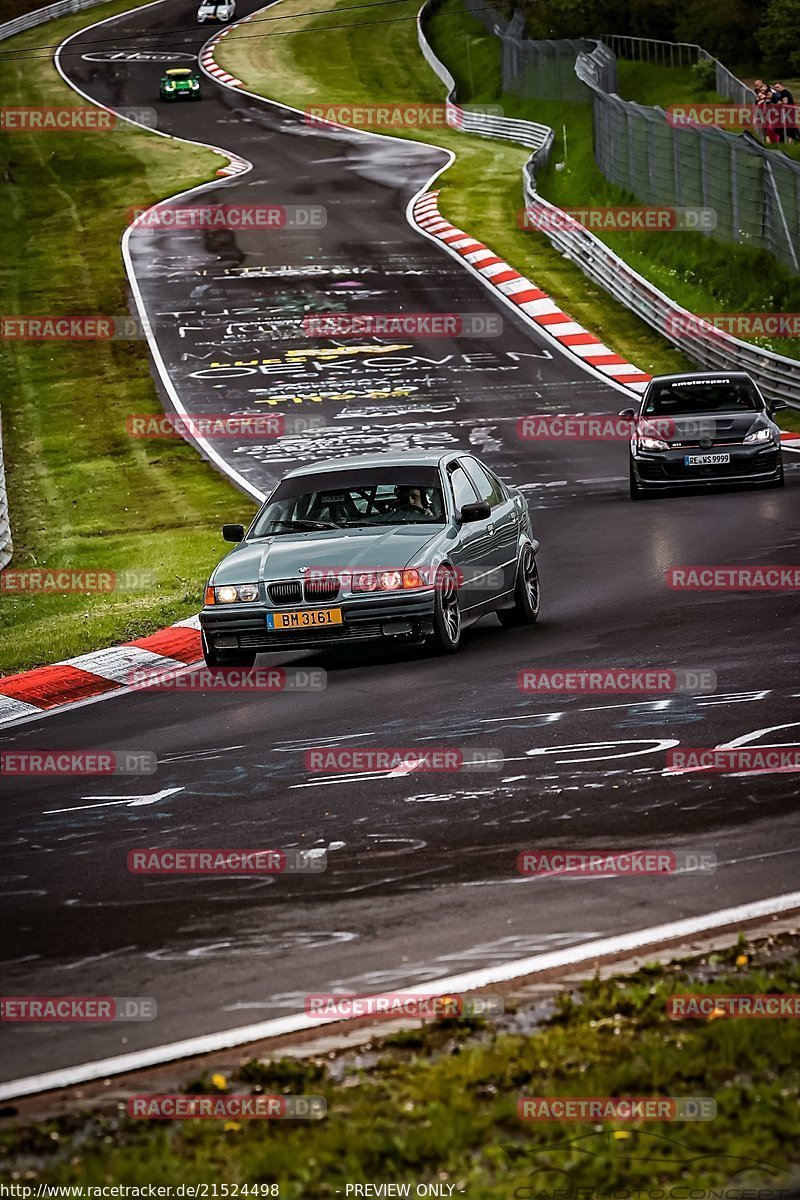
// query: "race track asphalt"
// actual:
[[421, 878]]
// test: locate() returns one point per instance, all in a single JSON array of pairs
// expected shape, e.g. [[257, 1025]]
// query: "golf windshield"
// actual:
[[330, 500], [693, 397]]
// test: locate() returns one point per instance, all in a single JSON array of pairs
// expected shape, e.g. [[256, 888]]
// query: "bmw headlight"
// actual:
[[388, 581], [365, 583], [169, 87], [233, 594], [758, 435], [194, 84]]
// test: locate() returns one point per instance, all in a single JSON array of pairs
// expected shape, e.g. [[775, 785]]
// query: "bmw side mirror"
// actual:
[[479, 511], [775, 405], [233, 533], [628, 414]]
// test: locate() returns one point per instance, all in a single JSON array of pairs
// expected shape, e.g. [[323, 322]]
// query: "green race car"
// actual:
[[180, 83]]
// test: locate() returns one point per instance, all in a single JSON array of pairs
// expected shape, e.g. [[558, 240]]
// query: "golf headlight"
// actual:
[[169, 87], [231, 595], [652, 443], [758, 435], [194, 83]]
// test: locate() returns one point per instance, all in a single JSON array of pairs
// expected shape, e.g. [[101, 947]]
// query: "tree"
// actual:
[[723, 27], [779, 37]]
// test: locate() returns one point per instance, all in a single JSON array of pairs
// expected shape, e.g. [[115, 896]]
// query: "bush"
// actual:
[[705, 74]]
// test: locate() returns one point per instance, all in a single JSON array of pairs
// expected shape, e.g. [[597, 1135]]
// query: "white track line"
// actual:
[[469, 981]]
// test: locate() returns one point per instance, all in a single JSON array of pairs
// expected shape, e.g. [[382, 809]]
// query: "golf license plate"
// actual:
[[307, 618], [705, 460]]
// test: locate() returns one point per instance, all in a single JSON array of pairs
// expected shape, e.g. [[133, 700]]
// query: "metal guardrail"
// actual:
[[61, 8], [777, 376], [526, 133]]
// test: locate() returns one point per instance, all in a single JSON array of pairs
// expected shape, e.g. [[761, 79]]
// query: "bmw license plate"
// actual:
[[705, 460], [307, 618]]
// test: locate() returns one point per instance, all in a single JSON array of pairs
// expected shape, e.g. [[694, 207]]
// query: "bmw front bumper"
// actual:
[[403, 617]]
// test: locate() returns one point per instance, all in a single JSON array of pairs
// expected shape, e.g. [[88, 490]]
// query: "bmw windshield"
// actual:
[[350, 500]]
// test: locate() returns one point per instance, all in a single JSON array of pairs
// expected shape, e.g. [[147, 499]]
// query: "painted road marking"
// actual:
[[108, 801]]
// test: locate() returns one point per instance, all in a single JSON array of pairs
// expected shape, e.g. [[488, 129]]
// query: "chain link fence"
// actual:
[[494, 21], [473, 120], [755, 192], [679, 54], [544, 70]]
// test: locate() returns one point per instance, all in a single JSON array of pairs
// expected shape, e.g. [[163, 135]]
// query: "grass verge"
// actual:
[[83, 494], [482, 191], [439, 1104]]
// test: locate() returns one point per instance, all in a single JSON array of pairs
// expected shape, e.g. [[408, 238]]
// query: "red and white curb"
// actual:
[[97, 673], [531, 300], [208, 63], [536, 304], [236, 166]]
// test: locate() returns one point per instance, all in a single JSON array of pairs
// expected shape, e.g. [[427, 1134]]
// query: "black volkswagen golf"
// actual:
[[703, 430]]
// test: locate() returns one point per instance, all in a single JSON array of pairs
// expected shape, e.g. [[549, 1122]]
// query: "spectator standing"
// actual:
[[789, 121], [766, 116]]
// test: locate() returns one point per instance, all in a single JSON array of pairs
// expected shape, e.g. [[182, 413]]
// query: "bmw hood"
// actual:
[[282, 556]]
